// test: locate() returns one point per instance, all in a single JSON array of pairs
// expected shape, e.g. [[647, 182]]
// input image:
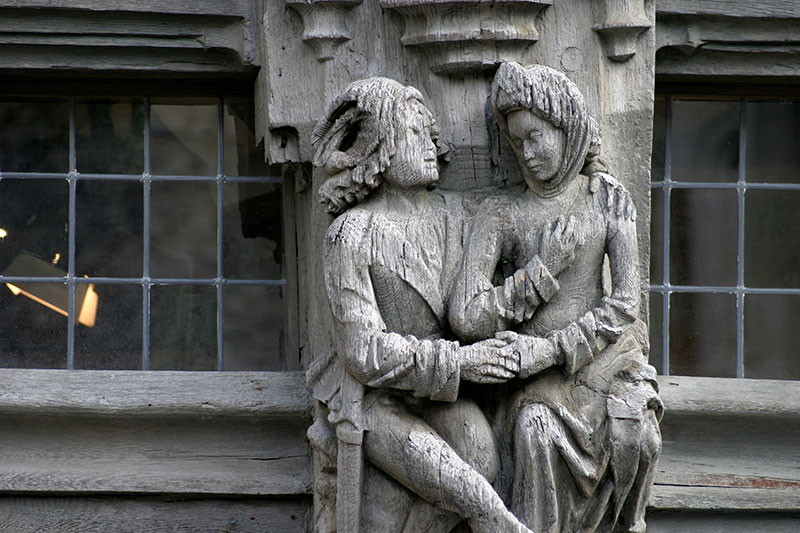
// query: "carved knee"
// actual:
[[465, 428]]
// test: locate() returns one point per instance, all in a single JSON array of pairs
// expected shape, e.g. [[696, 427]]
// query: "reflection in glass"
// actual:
[[109, 136], [34, 136], [108, 240], [183, 327], [183, 230], [773, 130], [702, 335], [183, 138], [34, 217], [703, 237], [705, 141], [115, 342], [771, 336], [656, 236], [32, 335], [659, 139], [253, 231], [656, 331], [242, 156], [254, 328], [772, 240]]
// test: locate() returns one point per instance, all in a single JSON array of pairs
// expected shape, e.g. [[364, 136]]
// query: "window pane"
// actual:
[[183, 138], [183, 230], [115, 341], [656, 331], [773, 131], [705, 141], [659, 138], [254, 328], [109, 136], [657, 236], [33, 335], [242, 156], [183, 327], [772, 240], [702, 335], [771, 336], [33, 215], [108, 240], [253, 231], [34, 136], [703, 237]]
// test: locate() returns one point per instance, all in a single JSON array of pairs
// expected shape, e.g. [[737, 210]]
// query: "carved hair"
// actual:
[[358, 136], [555, 98]]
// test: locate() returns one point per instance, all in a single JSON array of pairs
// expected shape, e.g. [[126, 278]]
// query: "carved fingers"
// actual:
[[489, 361], [558, 242]]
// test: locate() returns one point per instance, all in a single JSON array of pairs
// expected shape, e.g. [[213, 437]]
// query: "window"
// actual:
[[154, 222], [725, 261]]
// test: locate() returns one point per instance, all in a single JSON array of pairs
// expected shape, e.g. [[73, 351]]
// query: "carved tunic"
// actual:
[[387, 278]]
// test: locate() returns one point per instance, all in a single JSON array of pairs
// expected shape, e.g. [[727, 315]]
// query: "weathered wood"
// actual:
[[715, 396], [124, 454], [731, 8], [151, 515], [721, 522], [153, 394], [724, 499], [241, 8], [118, 38]]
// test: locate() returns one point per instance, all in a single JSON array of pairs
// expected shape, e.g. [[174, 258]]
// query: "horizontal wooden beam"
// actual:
[[153, 394], [731, 8]]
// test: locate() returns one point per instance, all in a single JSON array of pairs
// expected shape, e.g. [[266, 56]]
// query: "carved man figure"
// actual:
[[582, 433], [389, 265]]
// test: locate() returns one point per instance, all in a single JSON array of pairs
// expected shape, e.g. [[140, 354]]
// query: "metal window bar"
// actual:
[[665, 289], [146, 281]]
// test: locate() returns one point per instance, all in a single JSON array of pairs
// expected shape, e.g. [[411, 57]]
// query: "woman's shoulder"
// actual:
[[612, 197]]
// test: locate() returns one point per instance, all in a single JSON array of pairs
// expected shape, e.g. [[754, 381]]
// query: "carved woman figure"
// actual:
[[389, 264], [582, 433]]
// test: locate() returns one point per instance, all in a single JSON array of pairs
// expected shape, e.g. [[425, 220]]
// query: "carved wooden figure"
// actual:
[[558, 431], [581, 434], [389, 263]]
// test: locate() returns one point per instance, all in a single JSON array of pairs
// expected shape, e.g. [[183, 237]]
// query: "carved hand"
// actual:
[[557, 244], [489, 361], [535, 353]]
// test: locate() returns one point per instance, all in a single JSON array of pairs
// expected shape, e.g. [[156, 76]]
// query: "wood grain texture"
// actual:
[[187, 7], [730, 8], [152, 515], [152, 394]]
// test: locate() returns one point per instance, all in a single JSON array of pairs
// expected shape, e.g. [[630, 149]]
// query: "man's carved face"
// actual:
[[414, 163], [538, 145]]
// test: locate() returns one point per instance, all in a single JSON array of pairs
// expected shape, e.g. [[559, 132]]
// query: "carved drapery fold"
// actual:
[[622, 23], [324, 24], [471, 35]]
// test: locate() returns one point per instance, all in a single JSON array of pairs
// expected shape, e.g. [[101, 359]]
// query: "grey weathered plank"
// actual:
[[68, 515], [731, 8], [683, 395], [724, 498], [721, 522], [124, 454], [188, 7], [132, 393]]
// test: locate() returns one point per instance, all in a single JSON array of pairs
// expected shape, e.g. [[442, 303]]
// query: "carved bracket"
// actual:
[[471, 35], [324, 24], [624, 21]]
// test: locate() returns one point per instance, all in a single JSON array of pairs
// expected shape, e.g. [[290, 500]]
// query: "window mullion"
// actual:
[[71, 225], [740, 295]]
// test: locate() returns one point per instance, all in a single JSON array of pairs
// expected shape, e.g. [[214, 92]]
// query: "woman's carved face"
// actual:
[[538, 145], [414, 163]]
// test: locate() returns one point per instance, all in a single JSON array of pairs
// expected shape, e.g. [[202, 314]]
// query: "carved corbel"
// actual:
[[470, 35], [324, 24], [623, 22]]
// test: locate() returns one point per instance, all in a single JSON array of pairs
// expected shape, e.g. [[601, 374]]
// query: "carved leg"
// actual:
[[464, 427], [411, 451]]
